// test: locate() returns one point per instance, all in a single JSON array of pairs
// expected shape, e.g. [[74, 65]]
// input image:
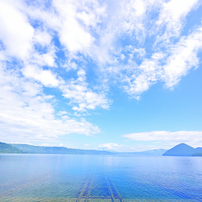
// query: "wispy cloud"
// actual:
[[194, 138], [15, 31], [80, 93], [183, 56], [172, 17], [28, 115], [130, 44], [46, 77], [113, 147]]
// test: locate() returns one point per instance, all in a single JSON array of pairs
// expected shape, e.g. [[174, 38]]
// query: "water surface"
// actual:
[[30, 177]]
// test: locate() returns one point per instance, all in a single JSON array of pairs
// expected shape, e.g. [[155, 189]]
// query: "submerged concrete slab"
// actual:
[[47, 199]]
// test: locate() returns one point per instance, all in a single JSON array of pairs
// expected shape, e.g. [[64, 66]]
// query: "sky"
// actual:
[[121, 75]]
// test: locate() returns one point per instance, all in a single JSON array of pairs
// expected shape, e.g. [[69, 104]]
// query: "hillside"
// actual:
[[25, 148], [7, 148], [198, 152], [155, 152], [183, 150], [56, 150]]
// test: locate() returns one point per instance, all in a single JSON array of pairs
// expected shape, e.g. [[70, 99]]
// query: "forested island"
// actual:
[[183, 150]]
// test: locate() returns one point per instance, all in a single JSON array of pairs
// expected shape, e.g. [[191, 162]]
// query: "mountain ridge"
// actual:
[[31, 149], [56, 150], [183, 149], [8, 148]]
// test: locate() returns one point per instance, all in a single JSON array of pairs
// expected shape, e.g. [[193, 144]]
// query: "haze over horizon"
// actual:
[[122, 75]]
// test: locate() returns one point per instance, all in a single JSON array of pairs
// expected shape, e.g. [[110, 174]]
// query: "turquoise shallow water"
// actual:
[[28, 177]]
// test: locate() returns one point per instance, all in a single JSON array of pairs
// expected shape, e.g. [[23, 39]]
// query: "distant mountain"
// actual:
[[56, 150], [199, 149], [179, 150], [25, 148], [7, 148], [198, 152], [183, 150], [155, 152]]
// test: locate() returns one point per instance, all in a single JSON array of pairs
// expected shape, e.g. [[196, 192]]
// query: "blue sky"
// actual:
[[122, 75]]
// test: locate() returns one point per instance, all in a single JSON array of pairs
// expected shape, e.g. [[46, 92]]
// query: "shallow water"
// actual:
[[29, 177]]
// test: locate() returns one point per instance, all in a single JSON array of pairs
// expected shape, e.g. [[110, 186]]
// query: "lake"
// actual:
[[74, 178]]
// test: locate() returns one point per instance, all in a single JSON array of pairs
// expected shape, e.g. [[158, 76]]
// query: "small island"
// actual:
[[183, 150]]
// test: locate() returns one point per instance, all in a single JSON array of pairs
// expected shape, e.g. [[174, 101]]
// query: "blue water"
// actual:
[[88, 177]]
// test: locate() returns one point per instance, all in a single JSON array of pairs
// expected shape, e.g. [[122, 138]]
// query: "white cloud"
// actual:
[[79, 93], [76, 20], [27, 114], [128, 43], [74, 34], [74, 37], [193, 138], [46, 59], [46, 77], [183, 57], [15, 31], [108, 146], [62, 113], [172, 16], [148, 73], [125, 148], [43, 38], [96, 29], [19, 37], [112, 146], [168, 66]]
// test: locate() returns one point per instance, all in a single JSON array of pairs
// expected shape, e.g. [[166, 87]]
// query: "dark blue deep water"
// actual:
[[28, 177]]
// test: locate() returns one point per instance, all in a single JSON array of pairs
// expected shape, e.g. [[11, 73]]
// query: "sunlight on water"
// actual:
[[77, 178]]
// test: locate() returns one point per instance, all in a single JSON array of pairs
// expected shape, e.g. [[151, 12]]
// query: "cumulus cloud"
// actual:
[[125, 148], [193, 138], [108, 146], [113, 147], [133, 44], [79, 92], [46, 77], [42, 37], [15, 31], [169, 66], [28, 115], [149, 72], [172, 17], [28, 112], [91, 28], [72, 35], [73, 25], [183, 57]]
